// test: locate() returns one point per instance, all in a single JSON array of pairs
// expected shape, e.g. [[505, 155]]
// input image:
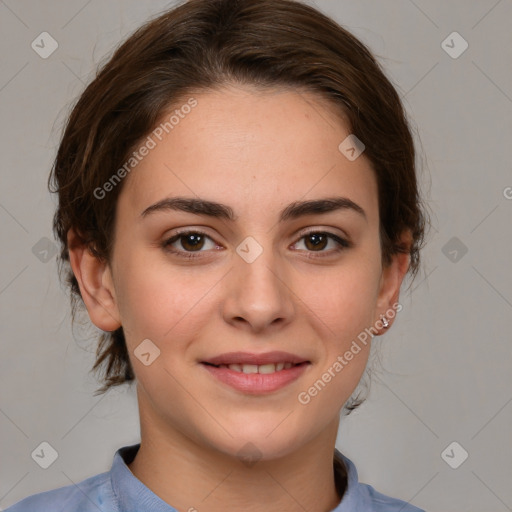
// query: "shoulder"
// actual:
[[86, 496], [363, 497]]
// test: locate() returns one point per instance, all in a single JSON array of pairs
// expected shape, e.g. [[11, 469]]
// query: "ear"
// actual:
[[96, 284], [391, 281]]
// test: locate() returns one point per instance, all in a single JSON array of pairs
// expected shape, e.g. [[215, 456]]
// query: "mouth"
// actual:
[[256, 373], [264, 369]]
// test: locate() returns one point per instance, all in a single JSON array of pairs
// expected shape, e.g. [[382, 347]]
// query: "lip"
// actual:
[[256, 383], [252, 358]]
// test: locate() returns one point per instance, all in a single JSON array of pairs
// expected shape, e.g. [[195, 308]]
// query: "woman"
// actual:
[[238, 207]]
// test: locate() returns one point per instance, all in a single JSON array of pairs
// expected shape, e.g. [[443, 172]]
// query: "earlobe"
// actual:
[[96, 285]]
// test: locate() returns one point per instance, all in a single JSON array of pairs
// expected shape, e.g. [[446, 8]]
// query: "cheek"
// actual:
[[343, 299], [344, 313], [159, 302], [344, 305]]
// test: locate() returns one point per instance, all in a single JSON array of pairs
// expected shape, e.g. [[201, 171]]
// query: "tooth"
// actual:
[[267, 368], [253, 368]]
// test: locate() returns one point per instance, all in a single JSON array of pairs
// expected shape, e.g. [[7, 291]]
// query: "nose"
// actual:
[[258, 295]]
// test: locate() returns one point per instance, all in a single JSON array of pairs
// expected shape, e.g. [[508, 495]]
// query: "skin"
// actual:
[[257, 151]]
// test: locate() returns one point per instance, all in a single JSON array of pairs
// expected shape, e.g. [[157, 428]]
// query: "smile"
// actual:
[[256, 373], [254, 368]]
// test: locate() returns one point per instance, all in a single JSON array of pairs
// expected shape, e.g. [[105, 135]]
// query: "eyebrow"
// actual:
[[221, 211]]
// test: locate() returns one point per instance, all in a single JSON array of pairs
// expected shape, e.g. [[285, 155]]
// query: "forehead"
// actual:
[[251, 146]]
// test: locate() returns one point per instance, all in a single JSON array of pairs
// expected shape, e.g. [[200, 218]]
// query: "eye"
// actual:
[[185, 243], [318, 241]]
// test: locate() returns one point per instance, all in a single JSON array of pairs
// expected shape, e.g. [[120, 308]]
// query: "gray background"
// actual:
[[445, 366]]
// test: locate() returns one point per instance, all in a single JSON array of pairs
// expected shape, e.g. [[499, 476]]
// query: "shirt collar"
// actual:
[[131, 494], [354, 499]]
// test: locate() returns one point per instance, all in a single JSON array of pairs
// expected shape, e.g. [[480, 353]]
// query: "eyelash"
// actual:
[[189, 255]]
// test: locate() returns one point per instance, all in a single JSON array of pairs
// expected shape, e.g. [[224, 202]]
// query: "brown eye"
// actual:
[[192, 241], [188, 242], [318, 241]]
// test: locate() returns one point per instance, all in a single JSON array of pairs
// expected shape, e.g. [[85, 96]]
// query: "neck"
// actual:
[[193, 477]]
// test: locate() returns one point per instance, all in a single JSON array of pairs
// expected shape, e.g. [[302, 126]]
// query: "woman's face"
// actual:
[[255, 284]]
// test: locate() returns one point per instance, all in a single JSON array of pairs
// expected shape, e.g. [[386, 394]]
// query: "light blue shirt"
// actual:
[[118, 490]]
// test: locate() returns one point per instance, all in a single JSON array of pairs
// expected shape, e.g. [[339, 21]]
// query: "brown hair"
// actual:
[[200, 45]]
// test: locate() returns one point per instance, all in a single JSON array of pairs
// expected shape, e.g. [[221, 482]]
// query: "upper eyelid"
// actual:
[[328, 231]]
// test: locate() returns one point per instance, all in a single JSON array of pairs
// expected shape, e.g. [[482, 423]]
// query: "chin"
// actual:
[[259, 441]]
